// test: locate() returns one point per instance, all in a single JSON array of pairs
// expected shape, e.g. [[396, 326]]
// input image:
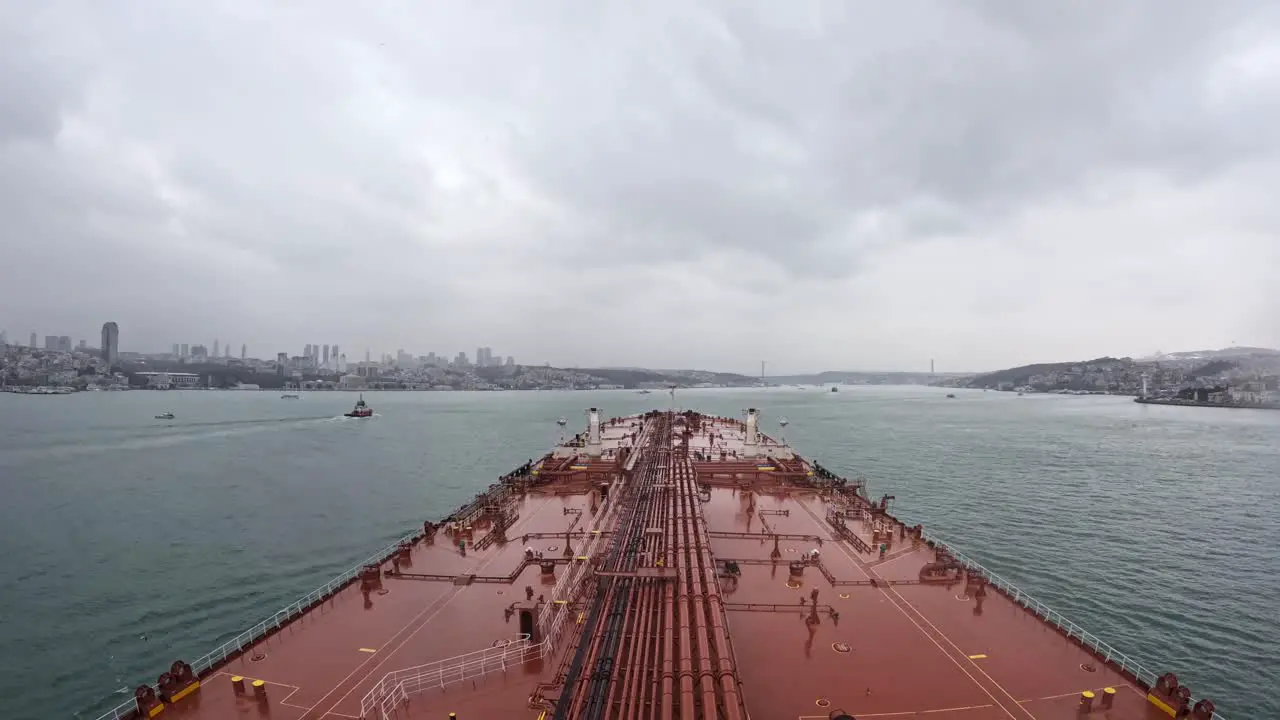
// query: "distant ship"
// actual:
[[951, 395], [290, 396], [165, 416], [666, 565], [361, 410], [835, 389]]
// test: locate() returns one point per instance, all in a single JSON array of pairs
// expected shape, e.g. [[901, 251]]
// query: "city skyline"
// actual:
[[317, 350], [659, 187]]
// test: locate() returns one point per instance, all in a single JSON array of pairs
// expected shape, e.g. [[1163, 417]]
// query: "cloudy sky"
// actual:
[[843, 185]]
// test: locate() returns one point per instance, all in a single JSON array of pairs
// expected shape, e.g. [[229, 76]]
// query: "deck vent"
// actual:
[[841, 647], [1088, 667]]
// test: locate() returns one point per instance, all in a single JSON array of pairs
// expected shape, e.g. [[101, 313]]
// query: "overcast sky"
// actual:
[[843, 185]]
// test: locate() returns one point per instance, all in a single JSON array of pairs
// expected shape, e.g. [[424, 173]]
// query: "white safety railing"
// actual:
[[395, 687], [1048, 614], [238, 643]]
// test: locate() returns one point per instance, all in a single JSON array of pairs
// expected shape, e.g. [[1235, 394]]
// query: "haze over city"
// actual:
[[845, 185]]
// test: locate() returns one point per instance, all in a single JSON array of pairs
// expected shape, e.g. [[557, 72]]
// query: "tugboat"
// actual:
[[290, 396], [361, 410], [835, 389], [165, 416]]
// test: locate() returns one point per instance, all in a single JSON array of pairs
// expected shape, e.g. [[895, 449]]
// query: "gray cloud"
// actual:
[[674, 184]]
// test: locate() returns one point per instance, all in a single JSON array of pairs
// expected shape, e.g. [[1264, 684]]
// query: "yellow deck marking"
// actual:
[[368, 650], [562, 602], [979, 656]]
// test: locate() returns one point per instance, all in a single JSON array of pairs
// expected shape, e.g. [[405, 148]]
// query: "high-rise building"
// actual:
[[244, 351], [176, 352], [306, 352], [215, 347], [366, 354], [186, 350], [325, 356], [64, 343], [50, 342], [511, 361], [33, 341], [110, 347], [335, 355], [82, 345], [4, 338]]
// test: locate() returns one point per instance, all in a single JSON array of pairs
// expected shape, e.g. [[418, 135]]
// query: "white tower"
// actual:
[[593, 432]]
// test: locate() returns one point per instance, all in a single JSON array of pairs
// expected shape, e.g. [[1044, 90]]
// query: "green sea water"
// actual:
[[1156, 528]]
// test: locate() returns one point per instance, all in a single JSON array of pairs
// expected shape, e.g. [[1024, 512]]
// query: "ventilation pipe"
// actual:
[[753, 431], [593, 432]]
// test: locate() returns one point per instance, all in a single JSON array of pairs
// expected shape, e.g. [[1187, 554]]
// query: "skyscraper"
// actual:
[[335, 355], [306, 352], [244, 351], [325, 361], [215, 347], [110, 347], [176, 350], [33, 341]]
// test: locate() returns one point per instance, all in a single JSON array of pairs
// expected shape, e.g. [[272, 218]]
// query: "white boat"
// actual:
[[165, 416]]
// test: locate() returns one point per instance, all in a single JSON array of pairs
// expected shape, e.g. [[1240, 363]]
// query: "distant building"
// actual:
[[186, 351], [175, 350], [33, 341], [110, 343], [64, 343], [244, 351], [4, 338], [170, 380], [510, 361]]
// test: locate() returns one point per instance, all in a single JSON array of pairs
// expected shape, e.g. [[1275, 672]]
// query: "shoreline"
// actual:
[[1205, 403]]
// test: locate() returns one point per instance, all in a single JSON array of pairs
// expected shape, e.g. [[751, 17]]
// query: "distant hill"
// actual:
[[1224, 353], [635, 377], [1022, 374], [860, 378]]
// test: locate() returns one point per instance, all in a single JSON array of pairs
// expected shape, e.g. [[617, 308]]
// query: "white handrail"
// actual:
[[127, 709], [1107, 652]]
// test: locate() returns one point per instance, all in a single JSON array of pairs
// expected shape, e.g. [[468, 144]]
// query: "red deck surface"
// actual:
[[888, 651]]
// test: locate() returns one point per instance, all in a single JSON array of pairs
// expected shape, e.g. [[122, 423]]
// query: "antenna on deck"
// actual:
[[672, 390], [562, 422], [783, 435]]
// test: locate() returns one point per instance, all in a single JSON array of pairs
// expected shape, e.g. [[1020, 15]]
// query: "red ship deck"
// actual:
[[683, 585]]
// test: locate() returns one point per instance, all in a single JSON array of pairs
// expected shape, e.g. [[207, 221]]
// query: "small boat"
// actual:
[[288, 396], [834, 389], [165, 416], [361, 410], [951, 395]]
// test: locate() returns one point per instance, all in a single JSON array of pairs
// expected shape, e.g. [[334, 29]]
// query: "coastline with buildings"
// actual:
[[1237, 377], [61, 368]]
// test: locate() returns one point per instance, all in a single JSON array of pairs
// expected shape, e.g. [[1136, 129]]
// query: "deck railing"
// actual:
[[395, 687], [128, 709], [1048, 614]]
